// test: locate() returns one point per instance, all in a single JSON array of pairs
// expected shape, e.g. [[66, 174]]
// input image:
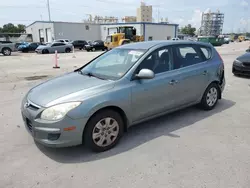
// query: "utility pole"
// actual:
[[48, 9]]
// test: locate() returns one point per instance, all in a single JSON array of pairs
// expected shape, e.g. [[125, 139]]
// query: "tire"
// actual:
[[93, 49], [102, 132], [6, 51], [209, 102], [45, 51], [67, 50], [88, 50]]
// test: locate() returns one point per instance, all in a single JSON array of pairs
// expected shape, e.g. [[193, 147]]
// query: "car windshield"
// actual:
[[113, 64]]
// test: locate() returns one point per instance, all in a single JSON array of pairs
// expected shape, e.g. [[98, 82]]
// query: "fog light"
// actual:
[[53, 136]]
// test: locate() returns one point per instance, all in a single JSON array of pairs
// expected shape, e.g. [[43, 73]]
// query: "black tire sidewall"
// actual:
[[6, 49], [67, 50], [87, 136], [45, 52], [203, 103]]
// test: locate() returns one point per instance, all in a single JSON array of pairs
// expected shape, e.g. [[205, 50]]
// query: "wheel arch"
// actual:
[[114, 108], [218, 84]]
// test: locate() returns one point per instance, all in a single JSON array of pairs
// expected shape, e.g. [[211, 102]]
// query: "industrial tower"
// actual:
[[212, 23]]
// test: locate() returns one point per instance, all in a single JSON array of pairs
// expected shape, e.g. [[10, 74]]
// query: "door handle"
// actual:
[[172, 82], [205, 72]]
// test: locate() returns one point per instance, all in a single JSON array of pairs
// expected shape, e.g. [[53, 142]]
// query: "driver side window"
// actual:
[[159, 61]]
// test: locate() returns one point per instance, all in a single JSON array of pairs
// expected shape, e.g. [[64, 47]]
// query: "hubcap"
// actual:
[[105, 132], [212, 96], [7, 52]]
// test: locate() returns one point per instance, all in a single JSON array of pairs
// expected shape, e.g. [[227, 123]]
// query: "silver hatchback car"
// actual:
[[133, 83]]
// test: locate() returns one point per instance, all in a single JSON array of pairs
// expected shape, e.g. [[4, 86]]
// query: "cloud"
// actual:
[[244, 3], [179, 21], [195, 21]]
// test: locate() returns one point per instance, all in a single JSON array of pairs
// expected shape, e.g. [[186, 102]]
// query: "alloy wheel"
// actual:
[[212, 96], [105, 132]]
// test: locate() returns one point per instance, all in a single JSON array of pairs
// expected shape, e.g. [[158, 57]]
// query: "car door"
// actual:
[[192, 73], [154, 96], [54, 47]]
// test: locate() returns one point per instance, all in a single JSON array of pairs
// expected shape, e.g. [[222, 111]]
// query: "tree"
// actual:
[[11, 28], [189, 30]]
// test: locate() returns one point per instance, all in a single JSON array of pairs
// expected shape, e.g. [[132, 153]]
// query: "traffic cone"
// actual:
[[56, 61]]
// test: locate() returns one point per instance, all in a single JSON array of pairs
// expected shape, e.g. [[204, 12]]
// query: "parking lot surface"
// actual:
[[190, 148]]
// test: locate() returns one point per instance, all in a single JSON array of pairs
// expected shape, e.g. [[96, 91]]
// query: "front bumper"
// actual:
[[53, 133], [38, 51], [243, 70]]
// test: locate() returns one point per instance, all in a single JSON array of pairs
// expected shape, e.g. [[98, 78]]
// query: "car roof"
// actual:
[[149, 44]]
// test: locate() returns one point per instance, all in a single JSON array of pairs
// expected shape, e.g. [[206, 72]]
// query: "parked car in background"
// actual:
[[129, 84], [79, 44], [241, 66], [60, 47], [96, 45], [28, 47], [175, 39], [62, 40], [226, 40], [7, 47]]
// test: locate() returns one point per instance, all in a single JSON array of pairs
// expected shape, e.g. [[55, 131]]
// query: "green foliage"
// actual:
[[188, 29], [11, 28]]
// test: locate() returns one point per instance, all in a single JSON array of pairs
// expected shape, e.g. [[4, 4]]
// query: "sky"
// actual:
[[237, 12]]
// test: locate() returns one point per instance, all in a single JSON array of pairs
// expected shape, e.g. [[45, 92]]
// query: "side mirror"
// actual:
[[145, 74]]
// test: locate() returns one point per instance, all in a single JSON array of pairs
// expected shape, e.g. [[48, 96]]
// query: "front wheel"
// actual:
[[6, 51], [67, 50], [103, 131], [210, 97]]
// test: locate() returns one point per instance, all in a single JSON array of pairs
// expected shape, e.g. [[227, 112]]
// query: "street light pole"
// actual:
[[48, 9]]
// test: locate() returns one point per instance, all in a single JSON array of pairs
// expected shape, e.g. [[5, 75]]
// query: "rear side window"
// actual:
[[207, 52], [186, 55]]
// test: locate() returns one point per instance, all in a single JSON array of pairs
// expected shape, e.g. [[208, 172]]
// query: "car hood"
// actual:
[[244, 58], [66, 88]]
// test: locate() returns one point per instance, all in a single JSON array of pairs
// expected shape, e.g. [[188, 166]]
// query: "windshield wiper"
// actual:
[[90, 75]]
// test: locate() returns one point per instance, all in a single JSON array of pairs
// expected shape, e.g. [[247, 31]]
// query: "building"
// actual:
[[129, 19], [150, 31], [212, 23], [144, 13], [46, 31]]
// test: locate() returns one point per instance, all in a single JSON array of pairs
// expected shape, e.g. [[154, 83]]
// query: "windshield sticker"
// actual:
[[137, 53]]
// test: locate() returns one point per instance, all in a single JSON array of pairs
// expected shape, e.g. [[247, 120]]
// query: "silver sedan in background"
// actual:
[[60, 47]]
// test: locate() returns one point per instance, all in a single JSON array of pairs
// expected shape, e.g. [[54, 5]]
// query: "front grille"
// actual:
[[33, 107], [28, 124], [246, 64]]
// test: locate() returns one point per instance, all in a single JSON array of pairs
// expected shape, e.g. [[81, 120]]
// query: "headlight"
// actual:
[[237, 62], [58, 111]]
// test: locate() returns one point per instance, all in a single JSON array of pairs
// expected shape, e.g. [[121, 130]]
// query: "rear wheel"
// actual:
[[103, 131], [67, 50], [210, 97], [45, 51], [93, 49], [6, 51]]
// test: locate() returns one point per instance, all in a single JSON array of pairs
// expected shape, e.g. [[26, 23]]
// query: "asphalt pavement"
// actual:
[[187, 149]]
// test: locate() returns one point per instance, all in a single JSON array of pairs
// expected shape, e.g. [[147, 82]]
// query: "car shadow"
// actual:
[[138, 135], [243, 76]]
